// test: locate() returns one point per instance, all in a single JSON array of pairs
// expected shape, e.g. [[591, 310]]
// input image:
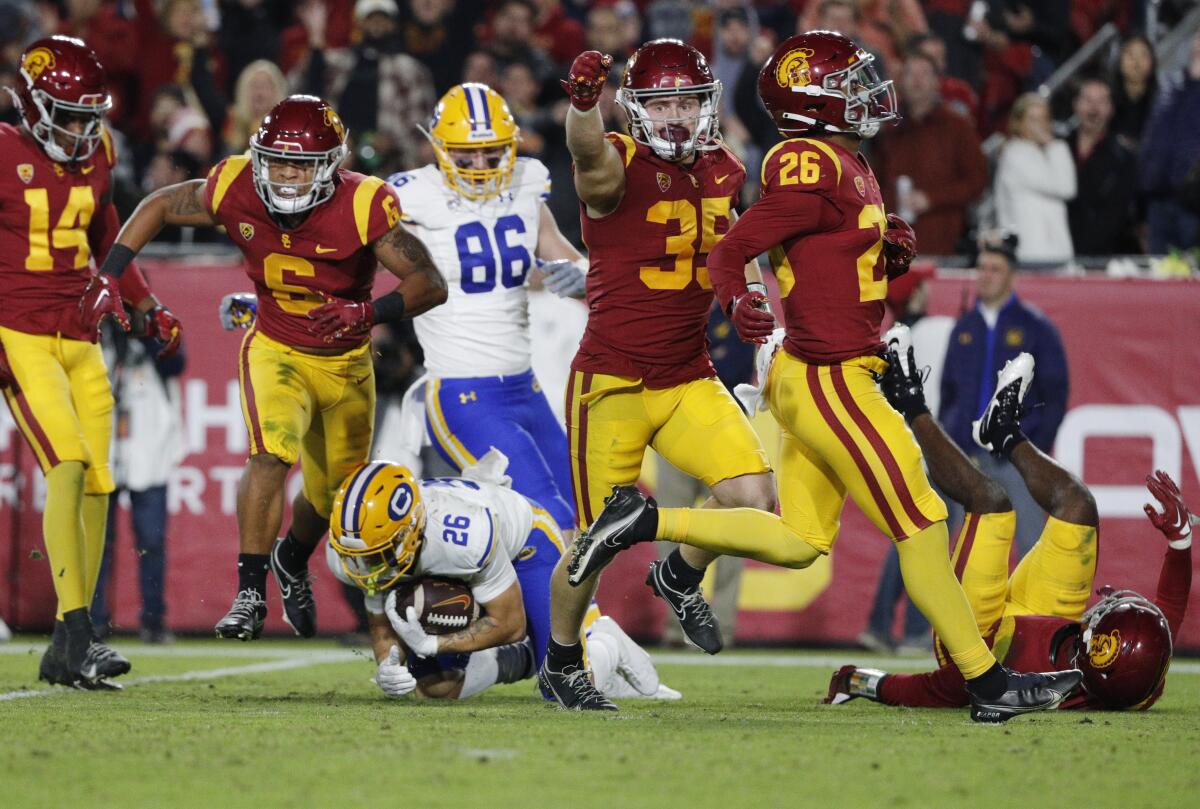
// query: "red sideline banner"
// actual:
[[1134, 353]]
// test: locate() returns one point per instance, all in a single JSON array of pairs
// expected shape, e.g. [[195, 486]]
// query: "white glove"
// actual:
[[564, 278], [753, 397], [238, 310], [393, 676], [488, 469], [419, 642]]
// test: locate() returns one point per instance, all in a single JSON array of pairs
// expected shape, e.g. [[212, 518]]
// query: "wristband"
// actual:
[[389, 308], [117, 260]]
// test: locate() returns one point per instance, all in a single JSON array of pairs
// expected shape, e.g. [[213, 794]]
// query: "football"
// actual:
[[442, 605]]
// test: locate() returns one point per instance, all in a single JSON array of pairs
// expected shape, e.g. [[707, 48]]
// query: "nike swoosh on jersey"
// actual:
[[321, 249], [88, 169], [721, 179]]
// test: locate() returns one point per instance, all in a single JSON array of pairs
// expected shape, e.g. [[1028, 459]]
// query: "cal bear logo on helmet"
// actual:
[[37, 62], [401, 502], [1103, 649], [793, 71]]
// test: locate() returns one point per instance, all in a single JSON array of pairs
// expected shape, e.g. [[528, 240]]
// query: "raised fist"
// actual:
[[899, 246], [586, 80]]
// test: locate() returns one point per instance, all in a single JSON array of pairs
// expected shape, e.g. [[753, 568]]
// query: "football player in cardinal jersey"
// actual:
[[312, 235], [56, 213], [388, 528], [481, 211], [653, 203], [833, 249], [1036, 617]]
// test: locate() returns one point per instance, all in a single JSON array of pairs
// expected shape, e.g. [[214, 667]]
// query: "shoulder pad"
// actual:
[[221, 177], [625, 146], [532, 176], [801, 164]]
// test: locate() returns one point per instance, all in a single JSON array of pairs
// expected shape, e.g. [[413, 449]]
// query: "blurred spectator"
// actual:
[[148, 444], [1001, 67], [750, 113], [845, 17], [736, 28], [251, 30], [930, 165], [669, 19], [1104, 209], [556, 33], [1169, 162], [1135, 88], [169, 168], [479, 66], [520, 90], [957, 95], [110, 36], [1045, 24], [614, 28], [881, 26], [1035, 177], [511, 39], [998, 328], [179, 126], [260, 87], [380, 93], [438, 33]]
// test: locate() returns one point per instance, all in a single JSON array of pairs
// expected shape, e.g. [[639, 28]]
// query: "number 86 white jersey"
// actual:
[[485, 250]]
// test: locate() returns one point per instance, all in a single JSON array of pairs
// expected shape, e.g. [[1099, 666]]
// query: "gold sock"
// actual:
[[745, 532], [62, 527], [95, 526], [929, 579]]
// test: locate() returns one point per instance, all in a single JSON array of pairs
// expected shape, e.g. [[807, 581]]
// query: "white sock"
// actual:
[[481, 673]]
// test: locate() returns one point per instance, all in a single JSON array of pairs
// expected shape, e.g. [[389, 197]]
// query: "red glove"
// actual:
[[588, 73], [899, 246], [338, 317], [162, 325], [1174, 522], [101, 299], [751, 316], [7, 378]]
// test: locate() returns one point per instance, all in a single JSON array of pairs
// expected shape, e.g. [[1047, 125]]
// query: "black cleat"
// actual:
[[295, 588], [613, 531], [245, 618], [105, 660], [572, 688], [700, 625], [1026, 693], [74, 660]]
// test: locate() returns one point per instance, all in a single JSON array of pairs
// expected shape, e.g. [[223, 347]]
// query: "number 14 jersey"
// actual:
[[648, 291]]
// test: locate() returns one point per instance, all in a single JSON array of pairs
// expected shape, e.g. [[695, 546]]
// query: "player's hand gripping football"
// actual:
[[419, 642], [238, 310], [101, 299], [338, 317], [162, 325], [751, 315], [393, 676], [585, 81], [899, 246], [1174, 521]]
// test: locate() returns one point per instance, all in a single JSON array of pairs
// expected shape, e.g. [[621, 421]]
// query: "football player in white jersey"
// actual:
[[482, 212], [387, 528]]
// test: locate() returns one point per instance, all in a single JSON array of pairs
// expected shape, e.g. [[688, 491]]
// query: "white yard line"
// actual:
[[255, 651]]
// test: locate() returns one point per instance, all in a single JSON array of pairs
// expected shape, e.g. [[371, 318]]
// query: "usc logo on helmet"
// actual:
[[792, 70], [334, 120], [1103, 649], [37, 62]]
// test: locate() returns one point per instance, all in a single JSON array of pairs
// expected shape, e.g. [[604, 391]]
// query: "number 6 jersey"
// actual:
[[484, 249], [648, 291]]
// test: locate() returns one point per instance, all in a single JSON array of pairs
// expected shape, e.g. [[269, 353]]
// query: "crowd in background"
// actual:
[[1114, 167]]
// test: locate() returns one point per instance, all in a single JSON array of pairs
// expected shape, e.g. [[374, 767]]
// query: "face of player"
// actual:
[[478, 159], [292, 177], [70, 125], [995, 280], [671, 114]]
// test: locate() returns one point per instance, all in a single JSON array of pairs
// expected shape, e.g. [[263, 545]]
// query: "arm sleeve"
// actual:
[[773, 219], [942, 688], [1054, 385], [1174, 584]]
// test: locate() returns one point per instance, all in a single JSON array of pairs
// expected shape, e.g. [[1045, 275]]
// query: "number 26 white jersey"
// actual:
[[485, 249]]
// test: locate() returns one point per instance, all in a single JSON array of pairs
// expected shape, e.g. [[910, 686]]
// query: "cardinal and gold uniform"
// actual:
[[300, 405], [642, 375]]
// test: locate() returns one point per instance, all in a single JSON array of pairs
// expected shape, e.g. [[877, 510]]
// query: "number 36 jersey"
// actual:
[[473, 533], [485, 250], [648, 290]]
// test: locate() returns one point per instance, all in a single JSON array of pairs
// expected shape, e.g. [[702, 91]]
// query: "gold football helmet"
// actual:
[[376, 524], [475, 138]]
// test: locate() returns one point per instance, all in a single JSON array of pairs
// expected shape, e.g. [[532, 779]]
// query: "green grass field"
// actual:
[[286, 723]]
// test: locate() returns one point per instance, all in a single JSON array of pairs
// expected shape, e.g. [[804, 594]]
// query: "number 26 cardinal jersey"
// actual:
[[648, 291]]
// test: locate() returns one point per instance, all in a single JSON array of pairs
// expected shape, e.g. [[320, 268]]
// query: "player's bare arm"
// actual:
[[383, 637], [599, 170], [422, 285], [180, 204], [503, 621]]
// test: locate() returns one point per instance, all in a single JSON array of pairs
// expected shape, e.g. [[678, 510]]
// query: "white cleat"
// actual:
[[1002, 414]]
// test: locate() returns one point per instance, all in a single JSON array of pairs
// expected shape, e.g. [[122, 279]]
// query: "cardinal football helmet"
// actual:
[[305, 130], [821, 82], [376, 524], [1124, 649], [668, 67], [470, 118], [62, 81]]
